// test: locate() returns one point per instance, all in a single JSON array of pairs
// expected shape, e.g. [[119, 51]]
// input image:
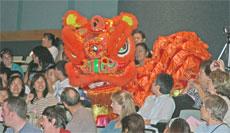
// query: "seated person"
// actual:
[[213, 111], [54, 120], [7, 61], [133, 123], [122, 105], [82, 118], [14, 116], [177, 125], [159, 107]]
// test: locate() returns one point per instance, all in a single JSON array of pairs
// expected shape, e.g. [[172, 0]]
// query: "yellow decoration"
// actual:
[[176, 92], [71, 20], [128, 20], [99, 110]]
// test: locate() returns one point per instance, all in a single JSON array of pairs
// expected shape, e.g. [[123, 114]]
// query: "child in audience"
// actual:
[[133, 123], [122, 105], [159, 107], [177, 125]]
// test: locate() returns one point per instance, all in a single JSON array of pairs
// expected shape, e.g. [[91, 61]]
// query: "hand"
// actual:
[[29, 97], [217, 64]]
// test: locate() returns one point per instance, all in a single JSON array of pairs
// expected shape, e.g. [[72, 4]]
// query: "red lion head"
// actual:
[[100, 50]]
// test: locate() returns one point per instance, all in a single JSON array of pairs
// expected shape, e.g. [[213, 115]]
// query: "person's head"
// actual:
[[4, 75], [13, 108], [7, 57], [42, 57], [163, 84], [16, 86], [141, 52], [205, 71], [133, 123], [70, 97], [48, 40], [53, 117], [122, 103], [138, 36], [3, 95], [50, 73], [60, 69], [39, 85], [223, 89], [218, 77], [178, 125], [213, 108]]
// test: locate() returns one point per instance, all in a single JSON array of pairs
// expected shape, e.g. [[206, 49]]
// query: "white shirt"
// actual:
[[59, 87], [54, 52], [158, 109]]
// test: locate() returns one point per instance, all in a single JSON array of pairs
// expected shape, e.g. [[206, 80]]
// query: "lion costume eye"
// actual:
[[124, 50]]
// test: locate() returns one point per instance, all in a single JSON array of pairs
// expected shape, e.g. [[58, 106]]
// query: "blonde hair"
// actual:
[[124, 99]]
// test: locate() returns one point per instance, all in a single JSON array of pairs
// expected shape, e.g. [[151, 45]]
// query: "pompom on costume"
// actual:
[[101, 53]]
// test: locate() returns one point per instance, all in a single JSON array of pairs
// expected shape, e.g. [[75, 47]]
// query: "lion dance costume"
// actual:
[[101, 56]]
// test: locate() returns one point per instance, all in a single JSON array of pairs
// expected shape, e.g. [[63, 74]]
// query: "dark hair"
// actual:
[[44, 56], [140, 32], [34, 79], [6, 51], [72, 99], [134, 123], [58, 113], [51, 37], [60, 65], [18, 105], [5, 70], [205, 65], [11, 79], [143, 45], [179, 125], [165, 81]]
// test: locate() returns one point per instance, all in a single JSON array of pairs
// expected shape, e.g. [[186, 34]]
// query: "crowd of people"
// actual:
[[41, 99]]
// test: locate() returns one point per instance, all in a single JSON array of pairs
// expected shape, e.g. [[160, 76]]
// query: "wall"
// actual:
[[45, 14], [205, 17]]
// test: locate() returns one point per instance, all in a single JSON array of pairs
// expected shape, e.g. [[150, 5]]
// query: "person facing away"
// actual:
[[133, 123], [82, 118], [53, 120], [158, 108], [14, 116]]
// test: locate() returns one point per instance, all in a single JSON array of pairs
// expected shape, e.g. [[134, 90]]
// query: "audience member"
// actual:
[[41, 59], [7, 61], [16, 87], [39, 98], [5, 74], [177, 125], [221, 85], [138, 36], [53, 120], [122, 105], [63, 80], [141, 54], [159, 107], [51, 78], [49, 41], [82, 118], [213, 111], [14, 116], [133, 123]]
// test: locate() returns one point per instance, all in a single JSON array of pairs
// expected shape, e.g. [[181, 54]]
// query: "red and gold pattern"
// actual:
[[101, 54]]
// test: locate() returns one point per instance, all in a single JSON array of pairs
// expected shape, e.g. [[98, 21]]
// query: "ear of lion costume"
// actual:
[[101, 53]]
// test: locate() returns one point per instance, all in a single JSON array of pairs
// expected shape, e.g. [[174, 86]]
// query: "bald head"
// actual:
[[70, 96]]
